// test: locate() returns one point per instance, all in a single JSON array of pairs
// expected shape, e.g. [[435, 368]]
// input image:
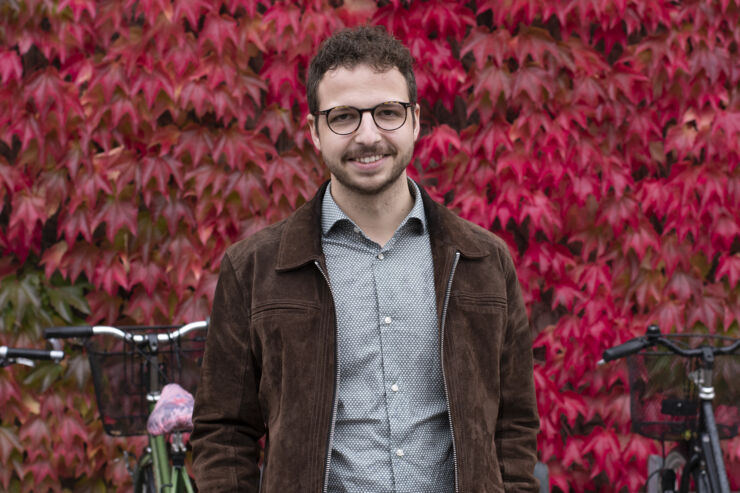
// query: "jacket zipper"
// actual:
[[442, 359], [336, 389]]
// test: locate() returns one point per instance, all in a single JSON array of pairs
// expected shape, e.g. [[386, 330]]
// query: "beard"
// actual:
[[341, 170]]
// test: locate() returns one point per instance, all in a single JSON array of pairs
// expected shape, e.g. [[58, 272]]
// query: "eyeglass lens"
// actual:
[[346, 119]]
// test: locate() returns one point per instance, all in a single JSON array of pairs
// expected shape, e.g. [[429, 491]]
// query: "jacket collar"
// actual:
[[300, 242]]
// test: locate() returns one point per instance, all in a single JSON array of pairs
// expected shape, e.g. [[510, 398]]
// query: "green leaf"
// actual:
[[8, 443], [44, 376], [64, 298]]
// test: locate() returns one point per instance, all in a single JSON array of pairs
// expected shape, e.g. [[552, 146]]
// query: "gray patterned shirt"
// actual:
[[392, 431]]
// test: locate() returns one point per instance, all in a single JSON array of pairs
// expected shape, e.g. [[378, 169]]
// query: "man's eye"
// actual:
[[341, 116]]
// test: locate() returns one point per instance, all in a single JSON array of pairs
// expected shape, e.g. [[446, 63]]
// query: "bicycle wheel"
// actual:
[[144, 475], [695, 471], [701, 482]]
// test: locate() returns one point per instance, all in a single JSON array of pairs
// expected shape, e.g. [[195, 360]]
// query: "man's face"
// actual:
[[369, 160]]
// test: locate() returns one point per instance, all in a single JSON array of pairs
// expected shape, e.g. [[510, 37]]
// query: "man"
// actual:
[[378, 340]]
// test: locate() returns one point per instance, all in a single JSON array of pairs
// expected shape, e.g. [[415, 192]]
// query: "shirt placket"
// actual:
[[389, 321]]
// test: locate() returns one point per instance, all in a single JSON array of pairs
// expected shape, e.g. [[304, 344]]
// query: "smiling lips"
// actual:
[[369, 159], [369, 155]]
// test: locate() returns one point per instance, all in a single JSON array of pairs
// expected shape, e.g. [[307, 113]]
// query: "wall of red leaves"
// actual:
[[140, 138]]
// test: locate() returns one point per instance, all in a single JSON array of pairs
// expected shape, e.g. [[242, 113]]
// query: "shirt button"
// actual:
[[394, 387], [357, 230], [399, 452], [387, 320], [381, 256]]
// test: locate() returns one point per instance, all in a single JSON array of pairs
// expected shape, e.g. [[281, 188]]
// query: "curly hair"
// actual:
[[371, 45]]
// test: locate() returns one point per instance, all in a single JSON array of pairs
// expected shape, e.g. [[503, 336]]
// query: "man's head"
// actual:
[[363, 112], [365, 45]]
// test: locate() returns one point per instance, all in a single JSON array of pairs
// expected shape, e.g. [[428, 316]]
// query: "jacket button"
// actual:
[[399, 452]]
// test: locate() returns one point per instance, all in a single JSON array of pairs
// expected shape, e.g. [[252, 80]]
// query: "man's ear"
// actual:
[[313, 127], [417, 121]]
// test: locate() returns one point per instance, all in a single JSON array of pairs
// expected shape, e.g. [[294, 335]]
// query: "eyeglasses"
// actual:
[[344, 120]]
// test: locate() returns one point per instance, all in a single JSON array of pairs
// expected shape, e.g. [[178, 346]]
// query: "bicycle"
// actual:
[[22, 356], [682, 409], [134, 374]]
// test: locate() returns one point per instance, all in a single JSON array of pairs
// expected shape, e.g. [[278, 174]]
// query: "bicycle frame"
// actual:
[[705, 462], [168, 476], [708, 437], [173, 477]]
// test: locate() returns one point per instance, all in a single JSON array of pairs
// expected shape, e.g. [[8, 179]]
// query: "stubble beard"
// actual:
[[338, 169]]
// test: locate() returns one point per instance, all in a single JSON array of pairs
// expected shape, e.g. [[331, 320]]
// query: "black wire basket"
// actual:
[[121, 374], [664, 402]]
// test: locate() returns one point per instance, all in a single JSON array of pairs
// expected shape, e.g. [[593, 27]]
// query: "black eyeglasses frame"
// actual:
[[405, 105]]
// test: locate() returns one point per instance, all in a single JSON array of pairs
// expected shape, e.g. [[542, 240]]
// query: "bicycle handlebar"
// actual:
[[89, 331], [31, 354], [653, 337], [68, 332], [630, 347]]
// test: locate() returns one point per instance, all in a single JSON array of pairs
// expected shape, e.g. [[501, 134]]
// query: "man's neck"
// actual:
[[377, 215]]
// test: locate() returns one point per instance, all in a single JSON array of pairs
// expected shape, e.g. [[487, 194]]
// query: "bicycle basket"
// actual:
[[121, 375], [664, 402]]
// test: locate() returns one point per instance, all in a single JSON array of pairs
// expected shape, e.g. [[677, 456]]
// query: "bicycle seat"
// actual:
[[173, 411]]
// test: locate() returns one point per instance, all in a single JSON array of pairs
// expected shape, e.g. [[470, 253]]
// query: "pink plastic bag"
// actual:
[[173, 411]]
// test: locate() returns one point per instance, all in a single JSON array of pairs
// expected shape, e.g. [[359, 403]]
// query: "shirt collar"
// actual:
[[331, 214]]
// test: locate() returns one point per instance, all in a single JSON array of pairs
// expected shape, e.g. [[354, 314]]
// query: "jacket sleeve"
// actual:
[[227, 420], [518, 421]]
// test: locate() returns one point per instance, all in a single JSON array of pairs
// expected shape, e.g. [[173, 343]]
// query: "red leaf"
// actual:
[[192, 309], [174, 211], [725, 231], [197, 143], [440, 143], [76, 223], [281, 74], [604, 445], [706, 310], [111, 273], [103, 308], [147, 274], [216, 31], [34, 432], [78, 7], [574, 453], [640, 240], [183, 55], [116, 214], [81, 257], [446, 18], [10, 67], [143, 307], [534, 82], [162, 169], [729, 266], [28, 210], [70, 431], [109, 78], [191, 10], [485, 44], [496, 82]]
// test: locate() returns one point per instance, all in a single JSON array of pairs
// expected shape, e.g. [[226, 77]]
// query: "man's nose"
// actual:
[[367, 132]]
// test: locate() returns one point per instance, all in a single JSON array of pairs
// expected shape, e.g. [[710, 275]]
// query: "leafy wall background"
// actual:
[[139, 138]]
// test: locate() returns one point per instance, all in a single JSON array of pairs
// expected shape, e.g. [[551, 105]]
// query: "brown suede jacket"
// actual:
[[270, 363]]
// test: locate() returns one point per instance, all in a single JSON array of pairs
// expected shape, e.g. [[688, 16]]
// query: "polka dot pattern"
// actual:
[[392, 431]]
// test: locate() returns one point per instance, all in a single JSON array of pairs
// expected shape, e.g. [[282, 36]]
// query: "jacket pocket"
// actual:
[[481, 303]]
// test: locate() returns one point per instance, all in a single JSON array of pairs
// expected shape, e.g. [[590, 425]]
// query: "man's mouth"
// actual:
[[369, 159]]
